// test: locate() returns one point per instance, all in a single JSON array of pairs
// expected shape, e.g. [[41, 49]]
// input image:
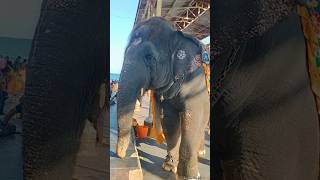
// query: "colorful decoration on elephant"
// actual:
[[310, 18]]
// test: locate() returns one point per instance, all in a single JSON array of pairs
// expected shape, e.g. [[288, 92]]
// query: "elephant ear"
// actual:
[[183, 52], [190, 37]]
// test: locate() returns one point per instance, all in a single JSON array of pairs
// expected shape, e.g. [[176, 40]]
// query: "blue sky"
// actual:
[[122, 16]]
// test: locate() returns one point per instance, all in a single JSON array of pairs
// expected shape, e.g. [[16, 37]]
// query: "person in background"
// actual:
[[10, 64], [3, 92], [7, 58], [24, 61], [16, 63], [17, 109], [7, 128], [3, 95]]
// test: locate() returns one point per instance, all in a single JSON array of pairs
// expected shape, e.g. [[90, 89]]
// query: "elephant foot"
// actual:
[[190, 178], [122, 147], [170, 164]]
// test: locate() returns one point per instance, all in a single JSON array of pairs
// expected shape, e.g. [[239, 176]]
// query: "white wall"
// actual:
[[18, 18]]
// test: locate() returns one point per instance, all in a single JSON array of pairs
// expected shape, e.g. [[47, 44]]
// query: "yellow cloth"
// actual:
[[156, 130], [312, 48], [206, 69], [15, 82]]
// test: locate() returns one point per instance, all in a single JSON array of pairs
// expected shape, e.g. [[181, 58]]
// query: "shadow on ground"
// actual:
[[152, 156], [153, 164], [151, 142]]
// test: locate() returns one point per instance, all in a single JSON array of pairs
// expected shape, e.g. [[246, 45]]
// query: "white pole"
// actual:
[[159, 6]]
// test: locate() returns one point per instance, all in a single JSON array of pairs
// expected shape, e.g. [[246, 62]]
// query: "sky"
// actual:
[[122, 16], [23, 24]]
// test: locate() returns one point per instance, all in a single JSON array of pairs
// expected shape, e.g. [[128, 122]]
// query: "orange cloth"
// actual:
[[15, 82], [206, 69], [156, 130]]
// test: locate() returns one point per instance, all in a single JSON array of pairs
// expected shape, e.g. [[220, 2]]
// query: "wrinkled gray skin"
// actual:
[[265, 123], [151, 62], [67, 65]]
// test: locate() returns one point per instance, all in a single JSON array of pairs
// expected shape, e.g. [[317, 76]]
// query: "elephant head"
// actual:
[[152, 60]]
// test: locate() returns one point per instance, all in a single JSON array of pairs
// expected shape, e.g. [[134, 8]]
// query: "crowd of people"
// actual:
[[12, 81], [113, 91], [113, 86]]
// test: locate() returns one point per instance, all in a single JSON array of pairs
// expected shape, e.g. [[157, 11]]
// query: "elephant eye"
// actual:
[[148, 56], [137, 41], [148, 59]]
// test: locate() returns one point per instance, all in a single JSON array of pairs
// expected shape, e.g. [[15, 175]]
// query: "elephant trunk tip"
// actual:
[[121, 152], [122, 146]]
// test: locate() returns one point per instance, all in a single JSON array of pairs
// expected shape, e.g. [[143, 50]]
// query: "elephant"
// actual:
[[67, 65], [265, 123], [165, 60]]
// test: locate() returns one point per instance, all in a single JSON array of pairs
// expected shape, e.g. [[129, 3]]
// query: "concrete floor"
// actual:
[[91, 162], [92, 159], [129, 167], [11, 147], [11, 155], [152, 155]]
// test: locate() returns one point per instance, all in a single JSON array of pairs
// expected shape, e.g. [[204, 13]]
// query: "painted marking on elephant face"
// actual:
[[181, 54], [137, 41], [196, 63]]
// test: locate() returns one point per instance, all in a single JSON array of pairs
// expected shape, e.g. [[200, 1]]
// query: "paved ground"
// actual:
[[152, 155], [91, 163], [91, 159], [129, 167], [11, 148]]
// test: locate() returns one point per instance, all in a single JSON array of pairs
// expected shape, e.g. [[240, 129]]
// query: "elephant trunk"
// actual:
[[67, 64], [131, 81]]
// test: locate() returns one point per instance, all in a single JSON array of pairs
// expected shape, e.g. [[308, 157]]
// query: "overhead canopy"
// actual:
[[190, 16]]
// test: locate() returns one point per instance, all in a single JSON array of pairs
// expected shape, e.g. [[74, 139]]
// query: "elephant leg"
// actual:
[[192, 130], [172, 131]]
